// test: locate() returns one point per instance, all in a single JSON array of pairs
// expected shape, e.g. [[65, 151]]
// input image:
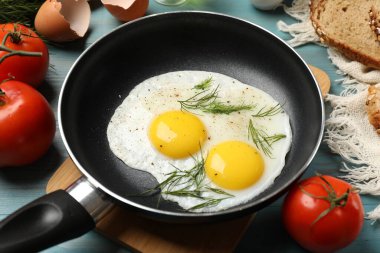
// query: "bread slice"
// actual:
[[374, 16], [351, 26], [313, 9], [313, 5], [373, 107]]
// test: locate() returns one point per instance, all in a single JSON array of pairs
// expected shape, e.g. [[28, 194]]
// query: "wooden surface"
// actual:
[[145, 235], [322, 78], [19, 186]]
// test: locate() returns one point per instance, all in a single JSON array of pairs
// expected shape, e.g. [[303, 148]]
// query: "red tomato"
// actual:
[[27, 124], [29, 69], [319, 224]]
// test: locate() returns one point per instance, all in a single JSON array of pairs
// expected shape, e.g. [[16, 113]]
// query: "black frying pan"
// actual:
[[103, 76]]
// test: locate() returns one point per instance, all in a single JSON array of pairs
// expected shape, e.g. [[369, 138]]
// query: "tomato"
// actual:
[[323, 213], [30, 63], [27, 124]]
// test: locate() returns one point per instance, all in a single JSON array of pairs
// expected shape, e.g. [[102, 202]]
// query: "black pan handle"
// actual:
[[54, 218], [49, 220]]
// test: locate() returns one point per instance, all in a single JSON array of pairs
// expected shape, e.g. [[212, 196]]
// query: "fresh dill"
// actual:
[[207, 203], [262, 140], [200, 100], [205, 84], [19, 11], [206, 101], [189, 183], [221, 108], [263, 112]]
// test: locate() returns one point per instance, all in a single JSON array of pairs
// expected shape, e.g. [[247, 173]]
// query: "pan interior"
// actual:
[[106, 72]]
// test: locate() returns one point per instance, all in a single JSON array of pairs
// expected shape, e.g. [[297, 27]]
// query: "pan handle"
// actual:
[[54, 218]]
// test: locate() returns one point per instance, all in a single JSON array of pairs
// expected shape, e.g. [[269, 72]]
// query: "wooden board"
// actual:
[[322, 78], [146, 235]]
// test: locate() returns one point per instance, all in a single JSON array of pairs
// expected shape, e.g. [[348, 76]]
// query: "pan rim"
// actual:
[[224, 213]]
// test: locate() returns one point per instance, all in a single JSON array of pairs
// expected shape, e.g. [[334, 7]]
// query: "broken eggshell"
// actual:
[[126, 10], [63, 20]]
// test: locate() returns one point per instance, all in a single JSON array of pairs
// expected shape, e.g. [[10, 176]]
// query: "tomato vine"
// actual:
[[23, 54], [331, 197], [15, 37]]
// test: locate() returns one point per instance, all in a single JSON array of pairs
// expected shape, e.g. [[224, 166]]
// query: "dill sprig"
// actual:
[[220, 108], [189, 183], [262, 140], [264, 112], [205, 84], [19, 11], [200, 100], [206, 101], [208, 203]]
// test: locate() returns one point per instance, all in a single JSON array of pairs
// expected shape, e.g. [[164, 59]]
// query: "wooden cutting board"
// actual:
[[145, 235]]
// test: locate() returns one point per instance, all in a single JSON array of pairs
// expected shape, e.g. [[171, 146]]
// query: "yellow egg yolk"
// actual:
[[234, 165], [177, 134]]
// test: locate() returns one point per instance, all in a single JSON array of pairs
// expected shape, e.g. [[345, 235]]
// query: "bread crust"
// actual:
[[374, 22], [373, 107], [317, 8]]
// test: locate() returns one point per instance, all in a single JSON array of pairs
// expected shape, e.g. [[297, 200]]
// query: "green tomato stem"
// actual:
[[12, 52], [2, 94], [331, 197]]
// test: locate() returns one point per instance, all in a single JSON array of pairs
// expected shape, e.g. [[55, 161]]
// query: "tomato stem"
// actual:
[[331, 197], [15, 35], [12, 52], [2, 94]]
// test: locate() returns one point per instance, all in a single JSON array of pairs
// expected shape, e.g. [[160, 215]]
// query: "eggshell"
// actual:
[[126, 10], [63, 20]]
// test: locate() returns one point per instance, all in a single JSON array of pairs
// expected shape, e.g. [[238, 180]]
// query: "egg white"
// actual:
[[128, 129]]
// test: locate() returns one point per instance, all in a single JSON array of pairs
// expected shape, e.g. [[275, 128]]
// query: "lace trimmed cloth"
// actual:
[[347, 130]]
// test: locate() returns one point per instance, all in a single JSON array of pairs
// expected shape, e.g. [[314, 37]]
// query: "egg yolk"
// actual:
[[177, 134], [234, 165]]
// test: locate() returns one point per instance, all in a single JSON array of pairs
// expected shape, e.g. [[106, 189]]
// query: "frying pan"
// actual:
[[104, 75]]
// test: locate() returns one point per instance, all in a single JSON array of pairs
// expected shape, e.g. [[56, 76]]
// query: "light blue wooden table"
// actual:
[[19, 186]]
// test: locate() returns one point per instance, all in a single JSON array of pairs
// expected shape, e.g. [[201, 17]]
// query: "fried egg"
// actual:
[[163, 128]]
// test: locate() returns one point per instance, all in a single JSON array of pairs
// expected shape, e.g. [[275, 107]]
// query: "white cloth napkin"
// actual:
[[348, 131]]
